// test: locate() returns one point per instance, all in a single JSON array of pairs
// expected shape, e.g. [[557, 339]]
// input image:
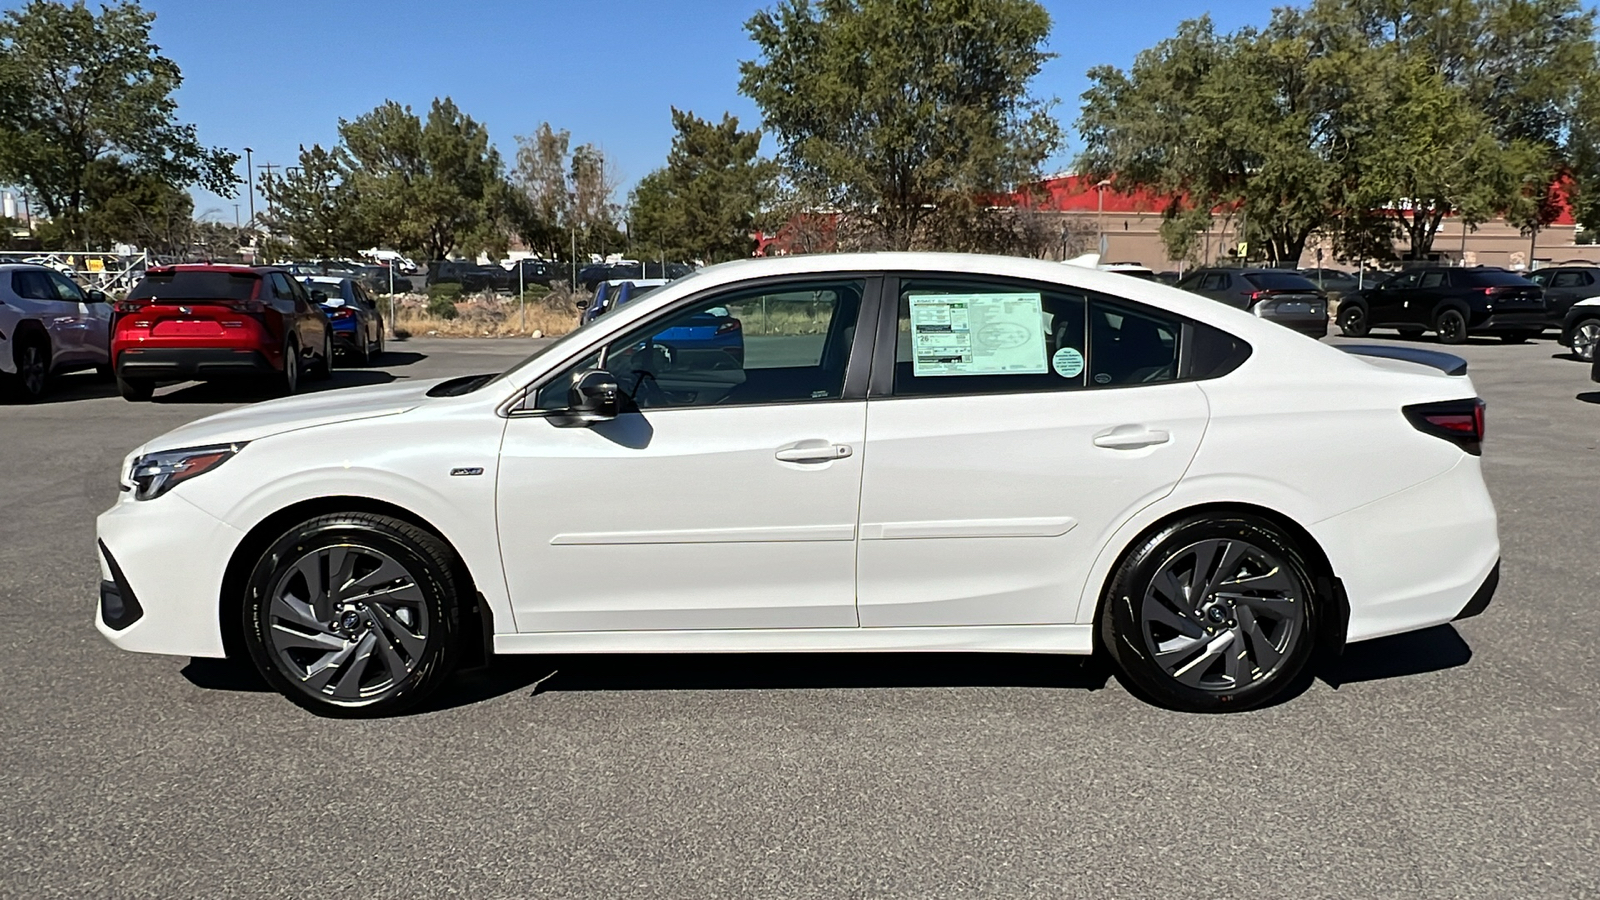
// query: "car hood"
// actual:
[[259, 420]]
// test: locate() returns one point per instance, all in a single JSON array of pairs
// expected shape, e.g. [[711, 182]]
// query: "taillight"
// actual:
[[128, 307], [729, 326], [1257, 295], [341, 313], [1457, 421]]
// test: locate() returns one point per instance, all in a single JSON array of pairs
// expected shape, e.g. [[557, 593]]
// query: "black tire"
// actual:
[[1585, 336], [32, 360], [136, 390], [1353, 320], [287, 382], [323, 370], [399, 644], [376, 352], [1518, 337], [1451, 327], [1171, 657], [363, 352]]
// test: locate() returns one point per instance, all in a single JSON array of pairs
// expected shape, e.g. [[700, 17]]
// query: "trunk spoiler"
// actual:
[[1448, 363]]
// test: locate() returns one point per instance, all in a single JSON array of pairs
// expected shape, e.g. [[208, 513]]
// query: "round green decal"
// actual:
[[1068, 362]]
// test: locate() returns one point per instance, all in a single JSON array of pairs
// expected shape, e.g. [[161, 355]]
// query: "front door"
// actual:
[[1389, 303], [1024, 424], [726, 499]]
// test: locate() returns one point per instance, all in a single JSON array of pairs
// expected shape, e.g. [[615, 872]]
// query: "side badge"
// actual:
[[467, 470]]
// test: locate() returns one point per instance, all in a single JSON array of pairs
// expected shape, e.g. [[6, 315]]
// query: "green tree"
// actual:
[[431, 188], [86, 101], [706, 201], [903, 112], [316, 205], [565, 194]]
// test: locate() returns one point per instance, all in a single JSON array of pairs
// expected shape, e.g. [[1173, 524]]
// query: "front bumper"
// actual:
[[198, 363], [168, 557]]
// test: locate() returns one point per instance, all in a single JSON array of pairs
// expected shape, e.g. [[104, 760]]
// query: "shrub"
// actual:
[[442, 300]]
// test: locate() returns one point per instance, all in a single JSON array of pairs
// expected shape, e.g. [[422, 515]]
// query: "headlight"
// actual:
[[156, 473]]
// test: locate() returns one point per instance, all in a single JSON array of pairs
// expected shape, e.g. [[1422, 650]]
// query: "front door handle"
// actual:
[[812, 450], [1131, 437]]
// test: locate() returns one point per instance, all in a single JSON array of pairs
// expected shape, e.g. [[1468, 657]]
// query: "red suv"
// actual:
[[206, 322]]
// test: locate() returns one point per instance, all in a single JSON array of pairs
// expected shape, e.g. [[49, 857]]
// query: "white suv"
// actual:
[[49, 325]]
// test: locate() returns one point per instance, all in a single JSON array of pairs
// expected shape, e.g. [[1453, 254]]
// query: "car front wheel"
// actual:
[[32, 360], [1212, 614], [354, 614]]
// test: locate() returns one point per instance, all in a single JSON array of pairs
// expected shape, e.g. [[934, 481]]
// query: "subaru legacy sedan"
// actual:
[[907, 452]]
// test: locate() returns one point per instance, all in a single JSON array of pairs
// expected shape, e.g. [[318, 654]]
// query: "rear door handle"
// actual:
[[1131, 437], [812, 450]]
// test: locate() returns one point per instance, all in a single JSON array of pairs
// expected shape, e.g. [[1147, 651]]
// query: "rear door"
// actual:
[[1011, 427], [1566, 287], [1423, 305]]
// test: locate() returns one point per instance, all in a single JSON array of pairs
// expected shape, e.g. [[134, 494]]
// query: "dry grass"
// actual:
[[552, 315]]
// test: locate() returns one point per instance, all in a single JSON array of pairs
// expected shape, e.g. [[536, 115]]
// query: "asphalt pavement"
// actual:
[[1458, 762]]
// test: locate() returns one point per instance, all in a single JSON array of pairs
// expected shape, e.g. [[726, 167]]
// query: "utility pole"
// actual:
[[236, 217], [269, 167]]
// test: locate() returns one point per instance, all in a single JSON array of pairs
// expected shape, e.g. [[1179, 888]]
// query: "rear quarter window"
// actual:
[[1280, 281], [1490, 278]]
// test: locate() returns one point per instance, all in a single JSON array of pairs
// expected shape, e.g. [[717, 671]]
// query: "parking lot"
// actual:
[[1457, 762]]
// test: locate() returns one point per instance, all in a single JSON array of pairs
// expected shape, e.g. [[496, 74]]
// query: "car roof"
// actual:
[[24, 265], [328, 279], [214, 267]]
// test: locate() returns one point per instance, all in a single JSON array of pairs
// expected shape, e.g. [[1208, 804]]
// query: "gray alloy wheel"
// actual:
[[289, 378], [33, 368], [378, 350], [1585, 336], [347, 624], [1221, 614], [1452, 327]]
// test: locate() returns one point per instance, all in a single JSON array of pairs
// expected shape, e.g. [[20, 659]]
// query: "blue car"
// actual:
[[353, 316]]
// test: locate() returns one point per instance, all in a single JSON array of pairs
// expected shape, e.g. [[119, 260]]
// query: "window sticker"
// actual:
[[977, 334], [1067, 362]]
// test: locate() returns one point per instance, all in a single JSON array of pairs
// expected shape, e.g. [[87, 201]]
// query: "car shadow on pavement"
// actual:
[[1430, 650], [1590, 396], [78, 386], [251, 392], [768, 671], [391, 358]]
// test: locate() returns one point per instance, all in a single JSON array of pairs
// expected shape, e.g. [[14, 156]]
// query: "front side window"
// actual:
[[962, 337], [786, 343], [1433, 280], [1401, 282], [66, 289], [1216, 281]]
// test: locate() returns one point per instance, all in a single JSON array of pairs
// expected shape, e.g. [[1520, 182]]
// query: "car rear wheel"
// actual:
[[354, 615], [1212, 614], [32, 359], [289, 379], [377, 349], [323, 370], [1353, 320], [1452, 327], [363, 352], [136, 390], [1585, 336]]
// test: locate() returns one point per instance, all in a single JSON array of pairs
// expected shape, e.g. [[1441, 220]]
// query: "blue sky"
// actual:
[[274, 75]]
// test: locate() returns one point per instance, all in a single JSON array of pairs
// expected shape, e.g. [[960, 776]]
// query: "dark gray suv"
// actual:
[[1277, 295]]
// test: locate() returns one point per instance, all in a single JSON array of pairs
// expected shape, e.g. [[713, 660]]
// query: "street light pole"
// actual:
[[1100, 215], [250, 182]]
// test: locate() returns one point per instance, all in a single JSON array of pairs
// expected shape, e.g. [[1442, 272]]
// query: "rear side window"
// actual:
[[968, 337], [32, 284], [1571, 279], [1280, 281], [188, 285], [1432, 279], [1216, 281], [1490, 278]]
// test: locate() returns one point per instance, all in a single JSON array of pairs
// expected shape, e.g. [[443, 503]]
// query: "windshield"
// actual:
[[1492, 278], [1280, 281], [195, 286]]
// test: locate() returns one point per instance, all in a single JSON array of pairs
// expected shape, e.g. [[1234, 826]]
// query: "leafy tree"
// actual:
[[86, 102], [565, 195], [433, 187], [902, 112], [1583, 152], [706, 201], [316, 205]]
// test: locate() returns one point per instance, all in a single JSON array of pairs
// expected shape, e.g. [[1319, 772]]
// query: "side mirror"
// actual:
[[319, 296], [594, 397], [97, 296]]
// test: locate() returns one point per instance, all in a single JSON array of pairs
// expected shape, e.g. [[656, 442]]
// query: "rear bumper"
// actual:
[[1422, 557], [192, 363], [1513, 321]]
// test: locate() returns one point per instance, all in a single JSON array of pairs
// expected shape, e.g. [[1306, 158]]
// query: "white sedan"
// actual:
[[877, 452]]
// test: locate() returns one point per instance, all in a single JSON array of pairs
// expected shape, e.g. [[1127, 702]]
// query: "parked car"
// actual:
[[383, 280], [527, 273], [48, 326], [1580, 329], [353, 315], [1564, 286], [591, 275], [1277, 295], [1055, 460], [472, 277], [1452, 302], [209, 322], [609, 295], [1335, 280]]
